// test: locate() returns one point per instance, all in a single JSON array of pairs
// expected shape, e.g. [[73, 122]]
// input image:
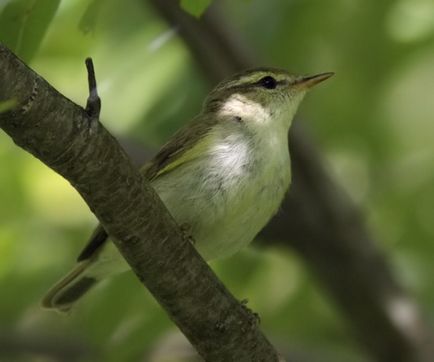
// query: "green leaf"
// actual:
[[7, 105], [195, 7], [23, 24], [88, 20]]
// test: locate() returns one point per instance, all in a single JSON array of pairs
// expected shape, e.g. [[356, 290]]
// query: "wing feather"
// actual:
[[182, 147]]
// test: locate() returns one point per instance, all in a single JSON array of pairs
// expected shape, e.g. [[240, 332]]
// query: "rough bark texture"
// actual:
[[61, 135], [318, 220]]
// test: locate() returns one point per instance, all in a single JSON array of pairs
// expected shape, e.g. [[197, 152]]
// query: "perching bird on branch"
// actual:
[[222, 177]]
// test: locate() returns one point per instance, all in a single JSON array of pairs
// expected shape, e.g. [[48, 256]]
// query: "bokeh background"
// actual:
[[373, 123]]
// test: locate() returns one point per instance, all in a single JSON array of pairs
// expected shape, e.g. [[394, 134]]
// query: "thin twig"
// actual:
[[93, 105]]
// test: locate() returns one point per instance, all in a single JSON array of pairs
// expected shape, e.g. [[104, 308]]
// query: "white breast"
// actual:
[[228, 195]]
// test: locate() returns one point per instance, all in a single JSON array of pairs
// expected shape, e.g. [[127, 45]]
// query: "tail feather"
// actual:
[[104, 262], [70, 288]]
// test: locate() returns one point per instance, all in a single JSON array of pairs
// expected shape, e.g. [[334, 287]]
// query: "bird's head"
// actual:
[[262, 95]]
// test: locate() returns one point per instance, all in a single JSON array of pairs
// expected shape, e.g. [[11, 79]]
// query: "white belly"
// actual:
[[227, 196]]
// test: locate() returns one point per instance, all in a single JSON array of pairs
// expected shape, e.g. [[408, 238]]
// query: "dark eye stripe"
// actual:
[[259, 83]]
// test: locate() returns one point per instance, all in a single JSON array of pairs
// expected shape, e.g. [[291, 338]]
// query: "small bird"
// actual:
[[222, 177]]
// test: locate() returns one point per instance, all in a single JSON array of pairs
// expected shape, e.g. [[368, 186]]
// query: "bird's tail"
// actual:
[[85, 275], [70, 288]]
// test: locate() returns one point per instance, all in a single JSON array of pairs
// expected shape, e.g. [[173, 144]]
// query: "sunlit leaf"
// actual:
[[90, 16], [195, 7], [23, 24]]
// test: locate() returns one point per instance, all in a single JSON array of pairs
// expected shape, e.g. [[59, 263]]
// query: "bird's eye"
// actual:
[[268, 82]]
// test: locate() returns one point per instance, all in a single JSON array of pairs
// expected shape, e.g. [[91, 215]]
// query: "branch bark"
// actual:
[[63, 136], [318, 219]]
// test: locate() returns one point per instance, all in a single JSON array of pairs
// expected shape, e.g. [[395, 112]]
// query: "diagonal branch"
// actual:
[[61, 135], [318, 219]]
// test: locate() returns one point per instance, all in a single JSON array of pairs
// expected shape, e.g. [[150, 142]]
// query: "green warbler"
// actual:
[[222, 177]]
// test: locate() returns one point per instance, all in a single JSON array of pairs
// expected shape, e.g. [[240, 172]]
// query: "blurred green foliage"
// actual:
[[373, 121], [195, 7], [24, 23]]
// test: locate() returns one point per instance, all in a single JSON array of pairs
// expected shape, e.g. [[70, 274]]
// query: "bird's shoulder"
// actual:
[[185, 145]]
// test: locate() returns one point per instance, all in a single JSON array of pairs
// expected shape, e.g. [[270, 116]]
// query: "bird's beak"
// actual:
[[309, 81]]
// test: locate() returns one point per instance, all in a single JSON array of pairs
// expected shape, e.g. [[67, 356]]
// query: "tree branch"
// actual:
[[318, 219], [61, 134]]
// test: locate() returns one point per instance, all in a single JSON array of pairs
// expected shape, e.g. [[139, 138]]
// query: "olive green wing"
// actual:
[[182, 147], [185, 145]]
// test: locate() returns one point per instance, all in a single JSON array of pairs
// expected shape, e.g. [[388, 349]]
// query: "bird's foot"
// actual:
[[186, 231], [254, 317]]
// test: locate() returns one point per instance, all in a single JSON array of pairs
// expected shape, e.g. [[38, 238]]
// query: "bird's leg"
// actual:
[[186, 230], [255, 319]]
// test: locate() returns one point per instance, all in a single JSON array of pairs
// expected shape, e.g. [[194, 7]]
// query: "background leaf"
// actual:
[[195, 7], [88, 20], [23, 24]]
